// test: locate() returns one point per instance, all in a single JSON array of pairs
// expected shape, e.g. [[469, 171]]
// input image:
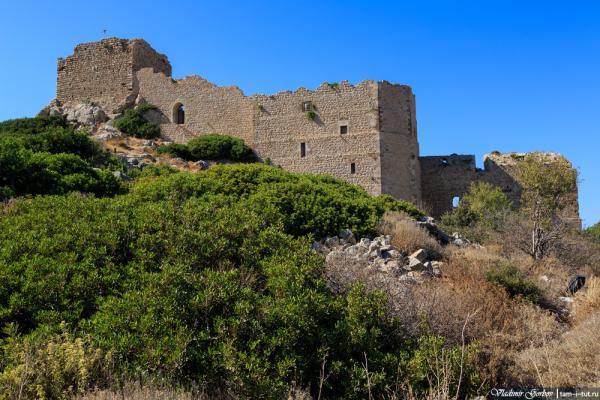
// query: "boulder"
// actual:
[[415, 265], [420, 255], [347, 236], [202, 165], [332, 242], [86, 114], [122, 176]]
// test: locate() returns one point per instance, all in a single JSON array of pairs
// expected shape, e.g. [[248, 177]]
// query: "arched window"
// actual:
[[179, 114]]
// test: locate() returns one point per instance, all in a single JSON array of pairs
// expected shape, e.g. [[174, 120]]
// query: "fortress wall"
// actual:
[[282, 126], [100, 72], [208, 108], [446, 177], [400, 168], [443, 178], [103, 72]]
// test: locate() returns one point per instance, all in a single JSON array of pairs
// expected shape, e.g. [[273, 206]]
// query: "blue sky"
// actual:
[[488, 75]]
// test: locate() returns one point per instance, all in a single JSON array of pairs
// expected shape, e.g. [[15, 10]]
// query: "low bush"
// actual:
[[57, 366], [407, 236], [211, 147], [301, 204], [28, 126], [512, 279], [482, 210], [175, 150], [134, 124], [47, 157]]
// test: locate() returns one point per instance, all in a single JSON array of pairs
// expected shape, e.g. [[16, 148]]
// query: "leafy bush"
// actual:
[[175, 150], [302, 204], [57, 367], [210, 147], [203, 278], [217, 147], [483, 203], [511, 278], [28, 126], [134, 124], [54, 161]]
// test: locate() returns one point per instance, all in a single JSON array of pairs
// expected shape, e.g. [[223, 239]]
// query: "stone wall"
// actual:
[[208, 108], [283, 125], [447, 177], [103, 72], [399, 147]]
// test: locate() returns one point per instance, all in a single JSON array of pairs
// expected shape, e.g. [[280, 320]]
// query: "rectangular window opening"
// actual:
[[307, 106], [302, 149], [352, 168], [343, 129]]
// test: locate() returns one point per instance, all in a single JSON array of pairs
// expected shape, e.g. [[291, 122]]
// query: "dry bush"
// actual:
[[137, 391], [445, 303], [587, 301], [407, 236], [572, 360], [529, 327], [343, 272], [550, 275]]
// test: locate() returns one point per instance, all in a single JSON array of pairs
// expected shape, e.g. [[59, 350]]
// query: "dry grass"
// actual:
[[587, 301], [407, 236], [136, 391], [445, 303], [571, 360]]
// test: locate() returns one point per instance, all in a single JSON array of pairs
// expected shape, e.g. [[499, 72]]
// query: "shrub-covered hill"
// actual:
[[201, 278]]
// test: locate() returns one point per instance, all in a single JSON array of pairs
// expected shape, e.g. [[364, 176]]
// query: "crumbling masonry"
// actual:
[[364, 133]]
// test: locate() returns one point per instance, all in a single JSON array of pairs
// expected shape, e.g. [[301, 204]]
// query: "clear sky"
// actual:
[[488, 75]]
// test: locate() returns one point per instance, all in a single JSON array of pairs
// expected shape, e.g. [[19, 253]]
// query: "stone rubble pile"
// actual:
[[380, 255], [429, 224]]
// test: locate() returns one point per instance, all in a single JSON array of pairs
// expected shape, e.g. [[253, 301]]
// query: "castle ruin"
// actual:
[[365, 133]]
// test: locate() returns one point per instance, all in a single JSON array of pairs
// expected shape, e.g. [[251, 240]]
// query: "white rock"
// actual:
[[86, 114], [420, 255], [415, 264]]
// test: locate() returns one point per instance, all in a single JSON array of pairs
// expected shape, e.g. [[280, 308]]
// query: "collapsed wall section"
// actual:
[[445, 180], [206, 108], [333, 130], [399, 147]]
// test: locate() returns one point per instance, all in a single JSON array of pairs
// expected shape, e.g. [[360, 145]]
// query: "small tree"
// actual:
[[547, 186], [482, 209], [487, 202]]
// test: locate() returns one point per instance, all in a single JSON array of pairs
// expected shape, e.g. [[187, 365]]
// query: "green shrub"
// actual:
[[211, 147], [44, 156], [512, 279], [302, 204], [594, 231], [28, 126], [206, 286], [218, 147], [134, 124], [175, 150]]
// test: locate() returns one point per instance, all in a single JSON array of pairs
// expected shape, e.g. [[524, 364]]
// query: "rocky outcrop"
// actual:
[[378, 255]]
